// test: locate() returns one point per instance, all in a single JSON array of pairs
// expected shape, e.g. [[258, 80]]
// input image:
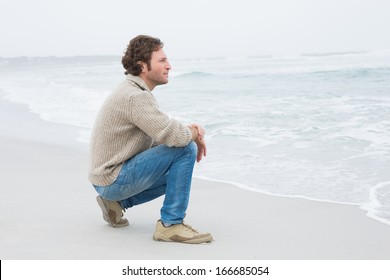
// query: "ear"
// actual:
[[143, 66]]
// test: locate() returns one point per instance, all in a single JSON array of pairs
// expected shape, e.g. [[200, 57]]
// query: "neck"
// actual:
[[150, 85]]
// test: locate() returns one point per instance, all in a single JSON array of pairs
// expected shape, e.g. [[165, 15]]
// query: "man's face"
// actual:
[[159, 70]]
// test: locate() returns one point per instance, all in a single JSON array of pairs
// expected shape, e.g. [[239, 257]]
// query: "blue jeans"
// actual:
[[152, 173]]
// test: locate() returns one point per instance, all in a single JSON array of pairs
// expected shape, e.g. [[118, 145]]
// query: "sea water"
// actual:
[[312, 126]]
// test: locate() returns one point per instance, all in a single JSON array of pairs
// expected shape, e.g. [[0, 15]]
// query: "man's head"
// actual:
[[139, 50], [146, 58]]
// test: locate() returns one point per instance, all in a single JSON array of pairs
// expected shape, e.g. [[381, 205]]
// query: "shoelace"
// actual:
[[189, 227]]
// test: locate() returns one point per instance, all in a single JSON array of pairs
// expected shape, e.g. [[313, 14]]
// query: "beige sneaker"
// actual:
[[112, 212], [180, 233]]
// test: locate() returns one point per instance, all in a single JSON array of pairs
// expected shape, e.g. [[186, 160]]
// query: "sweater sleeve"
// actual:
[[146, 115]]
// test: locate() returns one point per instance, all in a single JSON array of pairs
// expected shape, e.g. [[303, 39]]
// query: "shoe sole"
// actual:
[[206, 239], [106, 217]]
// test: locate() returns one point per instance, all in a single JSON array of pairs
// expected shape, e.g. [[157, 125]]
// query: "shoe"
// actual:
[[112, 212], [180, 233]]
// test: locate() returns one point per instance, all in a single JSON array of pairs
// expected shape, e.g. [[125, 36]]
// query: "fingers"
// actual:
[[200, 130], [199, 140], [199, 157], [202, 149]]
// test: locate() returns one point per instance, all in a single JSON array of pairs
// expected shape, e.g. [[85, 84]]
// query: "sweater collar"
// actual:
[[138, 81]]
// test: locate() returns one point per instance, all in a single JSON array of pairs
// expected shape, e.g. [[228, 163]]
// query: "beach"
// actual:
[[307, 126], [49, 212]]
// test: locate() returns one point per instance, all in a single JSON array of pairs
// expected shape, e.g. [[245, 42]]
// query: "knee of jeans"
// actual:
[[192, 149]]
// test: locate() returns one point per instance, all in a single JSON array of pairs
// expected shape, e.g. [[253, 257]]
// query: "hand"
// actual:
[[198, 136], [197, 131], [202, 150]]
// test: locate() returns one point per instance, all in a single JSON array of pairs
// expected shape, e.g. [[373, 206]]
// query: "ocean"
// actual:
[[315, 126]]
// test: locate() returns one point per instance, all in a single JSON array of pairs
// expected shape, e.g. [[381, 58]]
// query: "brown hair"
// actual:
[[140, 48]]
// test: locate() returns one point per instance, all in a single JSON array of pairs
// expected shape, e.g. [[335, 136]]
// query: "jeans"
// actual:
[[152, 173]]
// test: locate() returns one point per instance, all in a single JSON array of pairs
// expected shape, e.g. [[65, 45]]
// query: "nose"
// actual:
[[168, 66]]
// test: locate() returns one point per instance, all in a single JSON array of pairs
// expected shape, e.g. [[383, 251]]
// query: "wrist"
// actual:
[[194, 132]]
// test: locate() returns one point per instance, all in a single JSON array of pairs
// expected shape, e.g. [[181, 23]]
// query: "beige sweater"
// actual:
[[128, 123]]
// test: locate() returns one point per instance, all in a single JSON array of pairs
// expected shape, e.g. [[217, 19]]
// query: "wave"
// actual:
[[378, 205], [193, 74], [335, 53], [355, 72]]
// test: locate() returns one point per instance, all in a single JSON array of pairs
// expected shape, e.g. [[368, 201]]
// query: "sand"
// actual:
[[49, 212]]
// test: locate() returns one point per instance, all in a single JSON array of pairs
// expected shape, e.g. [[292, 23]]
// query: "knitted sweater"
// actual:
[[128, 123]]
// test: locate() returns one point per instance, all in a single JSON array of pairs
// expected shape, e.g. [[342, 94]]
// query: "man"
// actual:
[[137, 153]]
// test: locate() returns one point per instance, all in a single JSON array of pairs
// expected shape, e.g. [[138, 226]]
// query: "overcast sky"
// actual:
[[196, 28]]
